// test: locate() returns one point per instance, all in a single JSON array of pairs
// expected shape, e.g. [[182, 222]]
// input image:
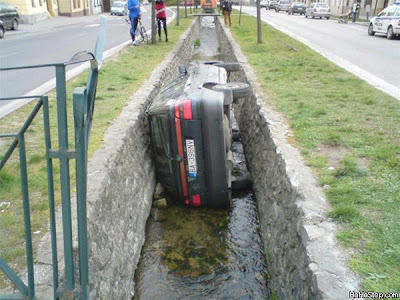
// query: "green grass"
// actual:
[[342, 122], [119, 78]]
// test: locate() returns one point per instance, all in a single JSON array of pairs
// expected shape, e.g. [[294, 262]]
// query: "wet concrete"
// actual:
[[204, 253]]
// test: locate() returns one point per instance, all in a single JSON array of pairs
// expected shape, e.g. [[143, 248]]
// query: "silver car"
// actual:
[[119, 8], [319, 10], [282, 5]]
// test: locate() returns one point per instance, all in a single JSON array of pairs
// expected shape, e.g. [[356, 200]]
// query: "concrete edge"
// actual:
[[327, 258]]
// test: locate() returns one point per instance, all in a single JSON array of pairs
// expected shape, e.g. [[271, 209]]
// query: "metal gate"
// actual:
[[83, 109]]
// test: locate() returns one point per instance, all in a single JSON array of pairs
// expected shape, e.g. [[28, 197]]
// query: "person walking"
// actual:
[[161, 16], [355, 9], [134, 15], [227, 9]]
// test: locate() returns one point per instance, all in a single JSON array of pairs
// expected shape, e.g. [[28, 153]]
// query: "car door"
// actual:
[[378, 23], [388, 18]]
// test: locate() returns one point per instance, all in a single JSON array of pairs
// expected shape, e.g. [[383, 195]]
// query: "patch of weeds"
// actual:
[[349, 167], [344, 213], [197, 43]]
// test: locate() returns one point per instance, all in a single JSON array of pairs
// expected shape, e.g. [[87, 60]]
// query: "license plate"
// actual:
[[191, 158]]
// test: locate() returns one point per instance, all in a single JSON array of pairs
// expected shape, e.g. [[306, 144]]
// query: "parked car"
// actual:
[[263, 3], [282, 5], [2, 29], [272, 4], [9, 15], [190, 125], [386, 22], [119, 8], [297, 8], [319, 9]]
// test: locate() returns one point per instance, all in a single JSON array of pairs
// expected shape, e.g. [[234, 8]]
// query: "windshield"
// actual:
[[118, 4]]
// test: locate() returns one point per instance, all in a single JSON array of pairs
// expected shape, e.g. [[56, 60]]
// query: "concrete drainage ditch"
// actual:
[[303, 258]]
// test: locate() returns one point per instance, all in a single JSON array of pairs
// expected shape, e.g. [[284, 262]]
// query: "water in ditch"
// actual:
[[204, 253]]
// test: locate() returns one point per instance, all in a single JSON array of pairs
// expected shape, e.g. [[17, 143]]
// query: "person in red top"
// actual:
[[161, 17]]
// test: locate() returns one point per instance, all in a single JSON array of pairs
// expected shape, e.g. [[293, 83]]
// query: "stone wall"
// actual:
[[303, 256], [121, 183]]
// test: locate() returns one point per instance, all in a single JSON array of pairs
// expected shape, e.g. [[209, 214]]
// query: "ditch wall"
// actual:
[[303, 257], [302, 254], [121, 184]]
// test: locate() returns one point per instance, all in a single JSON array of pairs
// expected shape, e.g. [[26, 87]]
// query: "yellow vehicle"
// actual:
[[208, 4]]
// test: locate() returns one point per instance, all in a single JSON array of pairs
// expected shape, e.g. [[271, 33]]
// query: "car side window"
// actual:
[[382, 13], [397, 12], [390, 12]]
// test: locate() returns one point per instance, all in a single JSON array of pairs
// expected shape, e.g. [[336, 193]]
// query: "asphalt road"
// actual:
[[56, 43], [372, 58]]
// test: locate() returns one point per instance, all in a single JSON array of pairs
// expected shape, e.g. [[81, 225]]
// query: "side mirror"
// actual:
[[182, 70]]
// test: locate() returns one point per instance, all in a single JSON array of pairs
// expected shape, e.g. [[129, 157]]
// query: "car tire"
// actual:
[[14, 25], [305, 15], [327, 18], [229, 67], [1, 32], [239, 89], [371, 29], [390, 34]]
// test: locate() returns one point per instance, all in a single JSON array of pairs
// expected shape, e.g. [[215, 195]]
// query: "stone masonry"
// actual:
[[121, 184], [303, 256]]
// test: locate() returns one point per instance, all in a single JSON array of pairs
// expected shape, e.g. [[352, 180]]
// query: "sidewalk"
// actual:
[[54, 23]]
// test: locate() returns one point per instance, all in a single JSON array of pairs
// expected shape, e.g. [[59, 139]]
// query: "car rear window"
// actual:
[[322, 5]]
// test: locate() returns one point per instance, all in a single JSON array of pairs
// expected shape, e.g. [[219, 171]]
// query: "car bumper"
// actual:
[[321, 14]]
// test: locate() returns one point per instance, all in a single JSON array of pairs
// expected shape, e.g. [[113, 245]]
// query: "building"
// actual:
[[32, 11]]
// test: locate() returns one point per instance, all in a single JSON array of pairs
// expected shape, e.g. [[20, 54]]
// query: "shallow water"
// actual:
[[203, 254]]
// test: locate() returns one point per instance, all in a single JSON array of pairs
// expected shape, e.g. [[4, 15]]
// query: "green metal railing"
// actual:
[[83, 109]]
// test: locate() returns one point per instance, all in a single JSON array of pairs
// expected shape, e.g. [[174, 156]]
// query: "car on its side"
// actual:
[[297, 8], [190, 125], [2, 29], [386, 22], [119, 8], [272, 4], [318, 10], [264, 3], [282, 5], [9, 15]]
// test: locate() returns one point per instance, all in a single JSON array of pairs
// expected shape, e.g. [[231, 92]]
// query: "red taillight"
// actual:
[[196, 200], [187, 109]]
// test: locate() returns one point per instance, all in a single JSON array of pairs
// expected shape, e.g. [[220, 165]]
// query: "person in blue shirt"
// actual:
[[134, 15]]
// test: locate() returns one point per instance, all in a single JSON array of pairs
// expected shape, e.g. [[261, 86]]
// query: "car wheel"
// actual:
[[371, 29], [14, 25], [239, 89], [1, 32], [305, 15], [229, 67], [327, 18], [390, 34]]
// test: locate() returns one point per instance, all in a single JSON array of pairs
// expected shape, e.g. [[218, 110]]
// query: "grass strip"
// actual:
[[348, 133], [119, 78]]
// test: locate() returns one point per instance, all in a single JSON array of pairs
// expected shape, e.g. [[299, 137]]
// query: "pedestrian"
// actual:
[[355, 9], [226, 10], [134, 15], [161, 16]]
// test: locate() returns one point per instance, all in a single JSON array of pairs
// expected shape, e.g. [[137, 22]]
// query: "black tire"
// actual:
[[327, 18], [390, 34], [1, 32], [306, 16], [14, 25], [371, 29], [229, 67], [213, 62], [239, 89], [241, 180]]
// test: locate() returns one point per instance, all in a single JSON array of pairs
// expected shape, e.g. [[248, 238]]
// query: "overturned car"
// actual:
[[191, 133]]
